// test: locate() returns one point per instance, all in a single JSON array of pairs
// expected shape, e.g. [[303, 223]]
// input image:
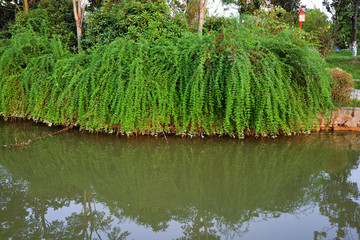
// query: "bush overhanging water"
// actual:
[[237, 81]]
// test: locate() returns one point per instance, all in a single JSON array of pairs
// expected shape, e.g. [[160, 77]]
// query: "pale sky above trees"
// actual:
[[216, 8]]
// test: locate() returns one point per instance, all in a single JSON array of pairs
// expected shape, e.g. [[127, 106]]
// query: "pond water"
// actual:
[[77, 185]]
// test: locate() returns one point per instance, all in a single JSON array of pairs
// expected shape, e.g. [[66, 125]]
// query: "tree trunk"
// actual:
[[79, 16], [43, 220], [26, 6], [85, 216], [202, 11], [354, 27]]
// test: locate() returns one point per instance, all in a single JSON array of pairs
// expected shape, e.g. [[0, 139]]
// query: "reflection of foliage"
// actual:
[[11, 198], [211, 186], [79, 226], [23, 217], [199, 227], [337, 202]]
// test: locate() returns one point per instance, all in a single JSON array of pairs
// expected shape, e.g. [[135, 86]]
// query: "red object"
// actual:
[[301, 17]]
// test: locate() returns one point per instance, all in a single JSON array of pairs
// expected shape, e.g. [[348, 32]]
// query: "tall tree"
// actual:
[[345, 14], [354, 27], [194, 10], [9, 7], [79, 12], [202, 11], [26, 6]]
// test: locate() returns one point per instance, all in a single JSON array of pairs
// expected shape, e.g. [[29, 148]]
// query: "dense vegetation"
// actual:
[[146, 71]]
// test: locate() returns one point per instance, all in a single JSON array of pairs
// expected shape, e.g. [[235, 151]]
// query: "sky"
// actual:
[[216, 8]]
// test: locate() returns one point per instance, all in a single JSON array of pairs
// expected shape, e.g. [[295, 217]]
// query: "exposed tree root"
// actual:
[[38, 138]]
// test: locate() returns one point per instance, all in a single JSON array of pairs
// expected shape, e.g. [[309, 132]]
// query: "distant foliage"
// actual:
[[214, 23], [242, 80], [319, 31], [50, 18], [341, 87], [133, 19]]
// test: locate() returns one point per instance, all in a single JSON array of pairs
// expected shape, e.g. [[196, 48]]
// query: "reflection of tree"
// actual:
[[199, 228], [210, 186], [337, 202], [23, 216], [14, 220]]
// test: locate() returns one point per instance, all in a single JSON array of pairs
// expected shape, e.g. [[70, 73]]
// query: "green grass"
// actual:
[[344, 60], [353, 103], [357, 84]]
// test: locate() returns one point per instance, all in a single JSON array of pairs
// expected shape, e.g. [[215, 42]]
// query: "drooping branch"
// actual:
[[17, 6], [38, 138]]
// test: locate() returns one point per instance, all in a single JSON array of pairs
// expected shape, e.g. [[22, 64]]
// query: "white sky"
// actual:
[[216, 8]]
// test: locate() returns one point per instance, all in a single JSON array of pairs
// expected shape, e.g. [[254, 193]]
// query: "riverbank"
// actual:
[[343, 119]]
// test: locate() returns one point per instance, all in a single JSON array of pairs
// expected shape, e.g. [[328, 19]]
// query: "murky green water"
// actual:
[[81, 186]]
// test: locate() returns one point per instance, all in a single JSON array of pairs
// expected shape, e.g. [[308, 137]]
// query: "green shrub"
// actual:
[[342, 86], [214, 23], [352, 103], [132, 19], [50, 18], [357, 84], [27, 62], [239, 81], [319, 31]]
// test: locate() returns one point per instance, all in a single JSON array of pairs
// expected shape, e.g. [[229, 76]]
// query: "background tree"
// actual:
[[8, 8], [318, 30], [345, 14], [202, 11], [7, 12], [287, 5], [50, 18], [246, 6], [192, 10], [132, 19], [353, 38], [79, 13]]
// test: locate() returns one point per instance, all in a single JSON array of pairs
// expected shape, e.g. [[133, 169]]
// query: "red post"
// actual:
[[301, 17]]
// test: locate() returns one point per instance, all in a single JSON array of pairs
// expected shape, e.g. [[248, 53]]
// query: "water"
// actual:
[[76, 185]]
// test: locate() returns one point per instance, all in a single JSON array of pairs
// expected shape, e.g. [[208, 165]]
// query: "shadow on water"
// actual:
[[213, 187]]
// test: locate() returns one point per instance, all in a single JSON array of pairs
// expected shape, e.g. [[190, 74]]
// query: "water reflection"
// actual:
[[212, 188]]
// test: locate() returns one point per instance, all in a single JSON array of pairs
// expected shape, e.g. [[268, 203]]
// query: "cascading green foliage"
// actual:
[[237, 82]]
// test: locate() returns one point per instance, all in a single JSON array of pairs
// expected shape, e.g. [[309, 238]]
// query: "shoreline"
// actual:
[[344, 119]]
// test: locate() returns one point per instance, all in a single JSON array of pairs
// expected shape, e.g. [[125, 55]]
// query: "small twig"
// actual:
[[165, 136], [38, 138], [17, 6]]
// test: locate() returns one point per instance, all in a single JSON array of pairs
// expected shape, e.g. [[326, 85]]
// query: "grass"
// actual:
[[357, 84], [353, 103], [343, 59]]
